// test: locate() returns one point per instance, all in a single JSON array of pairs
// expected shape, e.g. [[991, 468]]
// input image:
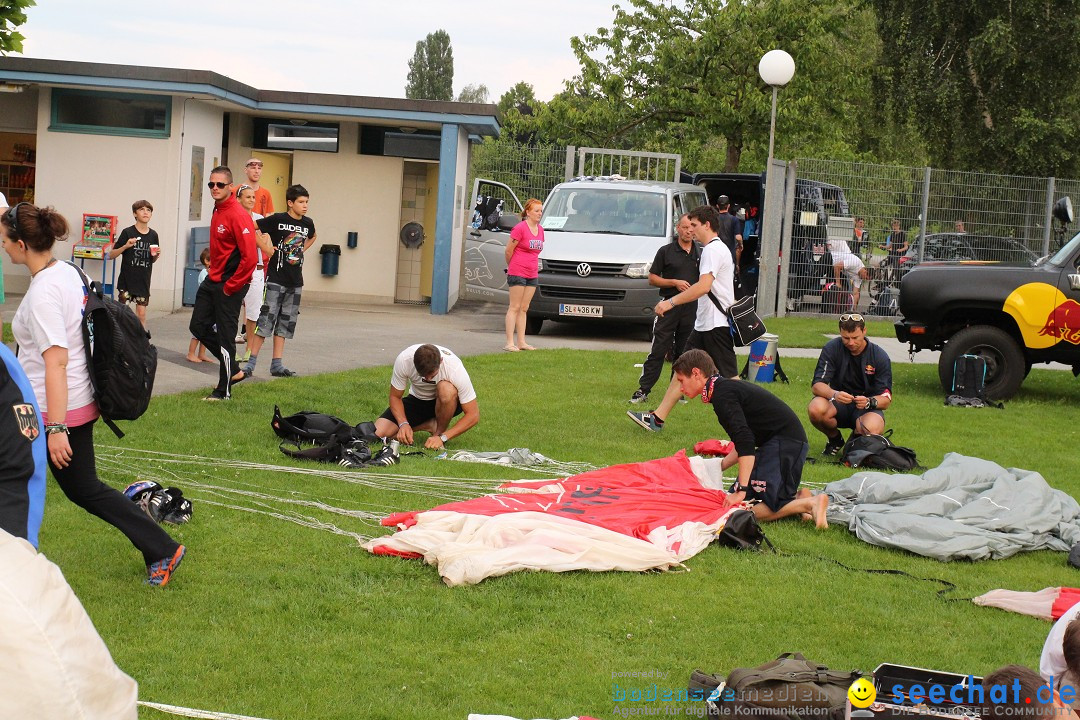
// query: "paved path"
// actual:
[[331, 338]]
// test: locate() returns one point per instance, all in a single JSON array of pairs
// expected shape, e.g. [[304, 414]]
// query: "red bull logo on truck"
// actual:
[[1044, 315], [1063, 322]]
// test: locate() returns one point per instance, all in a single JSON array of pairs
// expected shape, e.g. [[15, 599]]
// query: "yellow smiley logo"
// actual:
[[862, 693]]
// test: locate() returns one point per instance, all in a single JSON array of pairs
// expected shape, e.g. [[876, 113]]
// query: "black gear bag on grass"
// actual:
[[120, 359], [877, 452]]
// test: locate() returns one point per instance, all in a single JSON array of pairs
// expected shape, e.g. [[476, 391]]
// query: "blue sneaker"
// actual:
[[160, 572], [645, 420]]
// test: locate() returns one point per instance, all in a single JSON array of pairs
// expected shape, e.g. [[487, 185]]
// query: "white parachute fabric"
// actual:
[[55, 664], [638, 516]]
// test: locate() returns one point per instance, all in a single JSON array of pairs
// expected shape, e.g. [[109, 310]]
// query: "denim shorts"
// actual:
[[518, 281]]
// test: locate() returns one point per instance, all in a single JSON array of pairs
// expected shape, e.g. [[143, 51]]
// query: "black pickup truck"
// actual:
[[1012, 315]]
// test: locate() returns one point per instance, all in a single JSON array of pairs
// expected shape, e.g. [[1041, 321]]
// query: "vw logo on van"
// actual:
[[583, 269]]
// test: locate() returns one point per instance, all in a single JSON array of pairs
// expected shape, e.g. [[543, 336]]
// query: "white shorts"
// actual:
[[852, 266], [254, 299]]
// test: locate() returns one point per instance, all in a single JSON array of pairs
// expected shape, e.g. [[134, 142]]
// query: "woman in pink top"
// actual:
[[48, 327], [522, 263]]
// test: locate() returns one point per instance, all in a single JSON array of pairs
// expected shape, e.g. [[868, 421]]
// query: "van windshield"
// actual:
[[606, 211]]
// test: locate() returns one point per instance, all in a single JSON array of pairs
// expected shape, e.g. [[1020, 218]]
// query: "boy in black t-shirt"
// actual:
[[139, 246], [770, 443], [283, 238]]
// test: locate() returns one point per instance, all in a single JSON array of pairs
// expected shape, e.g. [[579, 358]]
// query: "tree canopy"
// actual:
[[12, 16], [474, 93], [431, 69]]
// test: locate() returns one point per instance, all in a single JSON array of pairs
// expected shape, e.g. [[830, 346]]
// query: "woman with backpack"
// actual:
[[48, 327]]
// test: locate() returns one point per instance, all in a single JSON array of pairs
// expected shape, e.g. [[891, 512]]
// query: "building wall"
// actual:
[[79, 173], [461, 174], [414, 203], [195, 124], [352, 192]]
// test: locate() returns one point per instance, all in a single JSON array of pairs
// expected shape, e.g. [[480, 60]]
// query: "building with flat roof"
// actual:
[[92, 138]]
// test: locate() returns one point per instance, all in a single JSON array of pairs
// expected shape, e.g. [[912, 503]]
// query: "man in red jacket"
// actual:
[[218, 301]]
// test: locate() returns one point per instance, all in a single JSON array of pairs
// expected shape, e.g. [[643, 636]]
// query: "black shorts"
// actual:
[[720, 347], [417, 411], [777, 471], [519, 281], [847, 415]]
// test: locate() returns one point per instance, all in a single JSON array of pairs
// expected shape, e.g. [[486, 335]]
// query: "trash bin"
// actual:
[[762, 361], [331, 254]]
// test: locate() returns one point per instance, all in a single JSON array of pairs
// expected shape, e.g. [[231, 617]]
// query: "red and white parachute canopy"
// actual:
[[638, 516]]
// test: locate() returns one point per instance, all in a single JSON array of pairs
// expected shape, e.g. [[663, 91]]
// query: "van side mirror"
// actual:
[[507, 221]]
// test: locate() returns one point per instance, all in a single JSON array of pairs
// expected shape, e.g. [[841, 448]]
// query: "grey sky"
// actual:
[[353, 47]]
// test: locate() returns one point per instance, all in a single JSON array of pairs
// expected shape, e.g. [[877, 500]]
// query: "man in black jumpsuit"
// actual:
[[770, 443]]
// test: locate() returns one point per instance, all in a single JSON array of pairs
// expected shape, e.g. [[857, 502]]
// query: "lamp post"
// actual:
[[776, 68]]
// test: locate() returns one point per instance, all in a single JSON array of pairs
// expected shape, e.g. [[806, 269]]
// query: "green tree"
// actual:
[[684, 74], [431, 69], [522, 94], [474, 94], [12, 16], [993, 85]]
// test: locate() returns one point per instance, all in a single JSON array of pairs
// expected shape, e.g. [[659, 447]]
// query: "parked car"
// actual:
[[600, 238], [967, 247]]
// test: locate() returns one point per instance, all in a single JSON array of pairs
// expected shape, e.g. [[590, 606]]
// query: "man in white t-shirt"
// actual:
[[1061, 646], [716, 288], [439, 390]]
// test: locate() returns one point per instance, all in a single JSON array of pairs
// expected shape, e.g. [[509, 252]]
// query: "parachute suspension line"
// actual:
[[193, 713]]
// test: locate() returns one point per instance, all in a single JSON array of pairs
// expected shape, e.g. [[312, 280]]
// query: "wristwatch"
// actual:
[[443, 438], [736, 487], [872, 404]]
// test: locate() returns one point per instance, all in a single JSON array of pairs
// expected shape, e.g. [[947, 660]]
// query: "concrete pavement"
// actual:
[[332, 338]]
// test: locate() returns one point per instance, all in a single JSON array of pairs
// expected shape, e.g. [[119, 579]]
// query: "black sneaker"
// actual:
[[283, 372], [639, 396], [833, 447]]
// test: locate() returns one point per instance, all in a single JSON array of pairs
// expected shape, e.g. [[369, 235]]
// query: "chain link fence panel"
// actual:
[[531, 171]]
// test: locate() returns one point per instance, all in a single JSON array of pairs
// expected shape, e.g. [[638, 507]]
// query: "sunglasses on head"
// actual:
[[218, 185], [851, 316], [241, 189], [12, 216]]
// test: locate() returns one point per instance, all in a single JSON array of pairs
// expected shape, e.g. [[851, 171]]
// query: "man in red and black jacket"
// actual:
[[218, 301]]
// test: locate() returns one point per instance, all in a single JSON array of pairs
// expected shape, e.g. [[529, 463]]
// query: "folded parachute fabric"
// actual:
[[714, 447], [1049, 603], [964, 509], [638, 516]]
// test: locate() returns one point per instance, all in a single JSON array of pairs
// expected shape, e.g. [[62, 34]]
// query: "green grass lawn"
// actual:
[[271, 619]]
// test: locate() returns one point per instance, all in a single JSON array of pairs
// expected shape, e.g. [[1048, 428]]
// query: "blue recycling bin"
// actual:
[[331, 255]]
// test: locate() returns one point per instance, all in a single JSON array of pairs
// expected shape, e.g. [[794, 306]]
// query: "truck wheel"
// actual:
[[533, 324], [1004, 360]]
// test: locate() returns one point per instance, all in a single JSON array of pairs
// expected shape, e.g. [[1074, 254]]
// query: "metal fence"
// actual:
[[630, 164], [530, 170], [943, 215]]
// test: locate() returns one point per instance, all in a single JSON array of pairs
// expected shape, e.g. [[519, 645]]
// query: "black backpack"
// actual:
[[969, 377], [120, 359], [332, 440], [877, 452]]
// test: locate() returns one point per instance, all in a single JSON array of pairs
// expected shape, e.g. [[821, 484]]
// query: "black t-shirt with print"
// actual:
[[289, 236], [136, 264]]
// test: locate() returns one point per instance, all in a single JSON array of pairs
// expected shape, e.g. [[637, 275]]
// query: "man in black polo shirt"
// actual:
[[770, 443], [728, 229], [674, 269], [852, 385]]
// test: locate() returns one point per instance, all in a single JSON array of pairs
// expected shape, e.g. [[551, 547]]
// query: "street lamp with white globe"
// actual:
[[776, 68]]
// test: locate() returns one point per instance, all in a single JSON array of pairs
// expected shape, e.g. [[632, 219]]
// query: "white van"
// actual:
[[600, 238]]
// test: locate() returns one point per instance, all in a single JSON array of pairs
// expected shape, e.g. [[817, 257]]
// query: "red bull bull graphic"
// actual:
[[1063, 322], [1044, 315]]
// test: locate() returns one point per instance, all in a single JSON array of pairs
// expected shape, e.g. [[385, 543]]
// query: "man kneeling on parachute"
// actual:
[[770, 443]]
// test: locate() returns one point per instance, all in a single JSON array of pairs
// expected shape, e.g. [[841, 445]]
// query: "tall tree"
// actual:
[[517, 97], [993, 85], [12, 16], [474, 93], [685, 73], [431, 70]]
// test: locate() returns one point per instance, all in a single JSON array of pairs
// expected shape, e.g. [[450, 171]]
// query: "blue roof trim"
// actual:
[[475, 123]]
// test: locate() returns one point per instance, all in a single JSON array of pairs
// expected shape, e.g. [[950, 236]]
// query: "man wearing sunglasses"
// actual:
[[852, 385], [232, 261]]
